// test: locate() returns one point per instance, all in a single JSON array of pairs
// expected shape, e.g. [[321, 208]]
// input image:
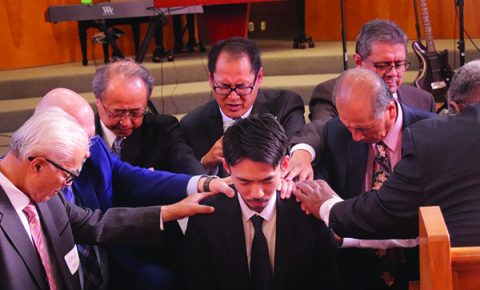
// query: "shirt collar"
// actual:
[[393, 134], [226, 119], [18, 199], [107, 135], [267, 213]]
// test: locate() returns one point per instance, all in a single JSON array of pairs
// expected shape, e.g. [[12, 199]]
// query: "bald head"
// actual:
[[72, 103]]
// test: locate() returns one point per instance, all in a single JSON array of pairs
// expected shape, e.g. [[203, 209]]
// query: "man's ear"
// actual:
[[454, 107], [227, 168], [284, 163], [358, 59], [210, 80]]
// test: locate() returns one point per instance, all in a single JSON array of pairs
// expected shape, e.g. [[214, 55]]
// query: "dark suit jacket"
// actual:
[[439, 166], [344, 161], [64, 225], [215, 251], [159, 143], [343, 166], [203, 126], [322, 109]]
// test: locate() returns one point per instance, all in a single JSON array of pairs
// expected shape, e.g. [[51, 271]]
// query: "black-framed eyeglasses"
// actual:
[[386, 67], [241, 90], [120, 114], [71, 175]]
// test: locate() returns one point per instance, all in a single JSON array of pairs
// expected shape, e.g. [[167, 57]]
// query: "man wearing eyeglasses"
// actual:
[[381, 46], [235, 76], [121, 89]]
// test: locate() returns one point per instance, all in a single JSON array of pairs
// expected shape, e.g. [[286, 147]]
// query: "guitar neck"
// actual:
[[428, 27]]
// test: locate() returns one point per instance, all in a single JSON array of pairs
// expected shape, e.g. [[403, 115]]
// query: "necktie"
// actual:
[[117, 146], [92, 275], [228, 124], [381, 166], [386, 260], [260, 267], [40, 243]]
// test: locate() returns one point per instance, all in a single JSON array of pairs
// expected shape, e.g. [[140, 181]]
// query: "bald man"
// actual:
[[106, 181]]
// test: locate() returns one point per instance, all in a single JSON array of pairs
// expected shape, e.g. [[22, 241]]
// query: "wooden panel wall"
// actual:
[[26, 40], [323, 20]]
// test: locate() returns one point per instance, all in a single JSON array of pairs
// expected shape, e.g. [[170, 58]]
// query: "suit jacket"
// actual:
[[343, 166], [344, 161], [159, 143], [439, 167], [215, 251], [105, 181], [322, 109], [204, 126], [65, 224]]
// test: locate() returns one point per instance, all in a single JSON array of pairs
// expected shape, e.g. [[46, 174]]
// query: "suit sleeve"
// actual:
[[197, 257], [180, 154], [322, 109], [136, 186], [114, 226], [292, 113], [391, 212]]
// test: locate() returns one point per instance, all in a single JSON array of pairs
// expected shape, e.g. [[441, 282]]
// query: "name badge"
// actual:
[[72, 259]]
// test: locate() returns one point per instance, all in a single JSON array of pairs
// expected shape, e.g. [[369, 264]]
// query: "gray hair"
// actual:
[[355, 78], [51, 133], [379, 30], [465, 86], [127, 68]]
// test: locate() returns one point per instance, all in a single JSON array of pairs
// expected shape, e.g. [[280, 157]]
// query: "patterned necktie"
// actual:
[[260, 267], [381, 166], [117, 146], [386, 260], [92, 275], [40, 243]]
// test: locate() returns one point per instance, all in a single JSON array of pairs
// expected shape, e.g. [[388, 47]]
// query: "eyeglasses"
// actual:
[[71, 175], [386, 67], [242, 91], [120, 114]]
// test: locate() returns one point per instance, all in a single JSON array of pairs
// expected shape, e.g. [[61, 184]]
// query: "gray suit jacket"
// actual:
[[64, 225], [322, 109]]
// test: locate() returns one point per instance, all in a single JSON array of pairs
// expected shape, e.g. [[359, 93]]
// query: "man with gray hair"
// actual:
[[122, 89], [39, 228], [465, 87], [362, 145], [381, 47]]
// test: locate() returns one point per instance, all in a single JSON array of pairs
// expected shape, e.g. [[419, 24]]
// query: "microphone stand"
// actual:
[[344, 36], [461, 40]]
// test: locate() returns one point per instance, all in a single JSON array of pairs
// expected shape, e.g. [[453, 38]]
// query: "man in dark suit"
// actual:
[[381, 46], [439, 167], [224, 251], [236, 75], [368, 115], [121, 90], [39, 228], [106, 181]]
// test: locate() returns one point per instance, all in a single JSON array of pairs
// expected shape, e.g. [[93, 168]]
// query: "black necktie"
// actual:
[[92, 275], [381, 166], [260, 267]]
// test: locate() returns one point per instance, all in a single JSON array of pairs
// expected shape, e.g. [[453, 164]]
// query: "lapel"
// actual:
[[215, 119], [13, 229], [357, 157], [234, 237], [284, 241]]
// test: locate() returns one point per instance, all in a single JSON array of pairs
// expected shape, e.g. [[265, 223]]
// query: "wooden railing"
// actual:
[[443, 267]]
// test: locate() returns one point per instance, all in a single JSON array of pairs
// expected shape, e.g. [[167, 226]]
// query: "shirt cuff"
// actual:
[[192, 186], [306, 147], [326, 207], [161, 220], [379, 244]]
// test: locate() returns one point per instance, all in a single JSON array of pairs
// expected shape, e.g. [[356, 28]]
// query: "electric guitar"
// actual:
[[435, 73]]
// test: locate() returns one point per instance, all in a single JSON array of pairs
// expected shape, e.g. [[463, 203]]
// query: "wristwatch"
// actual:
[[206, 183]]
